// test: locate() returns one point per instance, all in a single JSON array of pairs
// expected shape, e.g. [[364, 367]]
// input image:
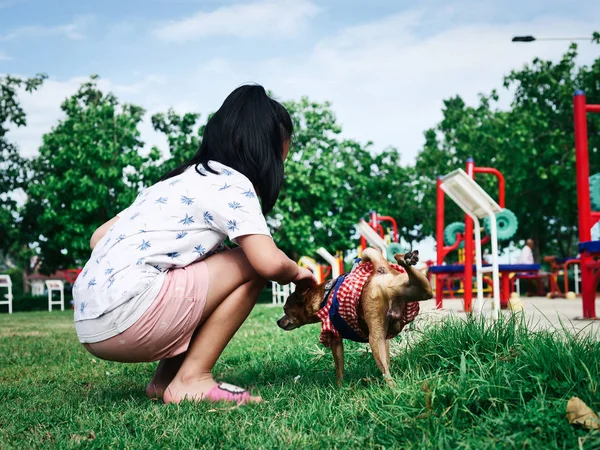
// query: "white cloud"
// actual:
[[74, 31], [387, 83], [43, 108], [386, 78], [266, 17]]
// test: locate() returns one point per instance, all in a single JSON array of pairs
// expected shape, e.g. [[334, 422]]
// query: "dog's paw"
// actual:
[[389, 381], [412, 258], [408, 259]]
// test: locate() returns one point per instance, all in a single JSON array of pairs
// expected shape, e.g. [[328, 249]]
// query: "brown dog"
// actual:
[[380, 306]]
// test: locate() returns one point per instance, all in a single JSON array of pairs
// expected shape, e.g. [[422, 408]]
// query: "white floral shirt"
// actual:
[[171, 224]]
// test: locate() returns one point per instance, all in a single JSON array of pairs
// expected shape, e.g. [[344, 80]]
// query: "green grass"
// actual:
[[459, 385]]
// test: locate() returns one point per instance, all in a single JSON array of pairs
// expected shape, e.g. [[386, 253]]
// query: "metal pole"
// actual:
[[495, 271], [588, 285], [479, 263], [439, 234], [468, 281], [582, 167]]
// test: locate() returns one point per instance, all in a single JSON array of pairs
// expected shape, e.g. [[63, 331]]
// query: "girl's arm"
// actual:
[[272, 264], [101, 231]]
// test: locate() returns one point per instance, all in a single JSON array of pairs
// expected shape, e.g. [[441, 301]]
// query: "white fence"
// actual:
[[6, 282], [281, 293]]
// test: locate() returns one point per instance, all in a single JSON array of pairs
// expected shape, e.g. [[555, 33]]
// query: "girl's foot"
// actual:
[[207, 389], [164, 374]]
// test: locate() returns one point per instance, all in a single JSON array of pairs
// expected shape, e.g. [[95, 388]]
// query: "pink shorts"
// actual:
[[166, 328]]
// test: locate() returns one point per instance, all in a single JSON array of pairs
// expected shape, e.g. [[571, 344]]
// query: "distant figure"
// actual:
[[527, 253], [487, 256]]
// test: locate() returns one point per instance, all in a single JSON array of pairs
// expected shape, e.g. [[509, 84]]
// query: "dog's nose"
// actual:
[[281, 323]]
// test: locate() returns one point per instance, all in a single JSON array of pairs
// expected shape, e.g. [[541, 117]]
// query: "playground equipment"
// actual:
[[58, 286], [589, 250], [369, 235], [336, 262], [373, 233], [477, 204], [281, 293], [465, 271], [6, 282], [319, 271], [559, 267]]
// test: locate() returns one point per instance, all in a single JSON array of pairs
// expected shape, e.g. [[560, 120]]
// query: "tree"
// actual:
[[184, 138], [13, 168], [87, 171], [532, 144], [331, 183]]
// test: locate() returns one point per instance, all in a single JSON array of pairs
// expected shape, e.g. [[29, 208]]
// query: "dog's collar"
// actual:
[[330, 287]]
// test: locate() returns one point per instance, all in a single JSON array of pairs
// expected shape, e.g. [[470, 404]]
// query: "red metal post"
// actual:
[[592, 108], [468, 281], [588, 286], [582, 167], [504, 289], [439, 235], [395, 237], [588, 290], [500, 178]]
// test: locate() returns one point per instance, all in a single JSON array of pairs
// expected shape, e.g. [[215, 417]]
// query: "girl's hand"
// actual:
[[304, 280], [272, 264]]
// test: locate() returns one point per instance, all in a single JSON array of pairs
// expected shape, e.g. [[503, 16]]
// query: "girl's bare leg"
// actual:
[[234, 287]]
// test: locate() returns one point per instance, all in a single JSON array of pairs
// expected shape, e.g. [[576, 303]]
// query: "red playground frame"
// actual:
[[589, 250], [375, 223], [442, 250]]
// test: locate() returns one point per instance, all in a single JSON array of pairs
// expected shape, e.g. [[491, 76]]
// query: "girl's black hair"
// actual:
[[247, 133]]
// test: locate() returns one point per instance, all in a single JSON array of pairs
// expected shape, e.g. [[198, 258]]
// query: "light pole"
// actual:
[[532, 38]]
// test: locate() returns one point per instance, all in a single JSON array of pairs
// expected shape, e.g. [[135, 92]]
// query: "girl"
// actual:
[[157, 287]]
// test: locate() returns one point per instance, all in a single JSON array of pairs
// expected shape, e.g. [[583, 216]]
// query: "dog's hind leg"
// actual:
[[418, 286], [387, 352], [337, 348], [376, 321]]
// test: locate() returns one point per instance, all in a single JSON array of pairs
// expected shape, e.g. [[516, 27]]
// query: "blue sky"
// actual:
[[385, 65]]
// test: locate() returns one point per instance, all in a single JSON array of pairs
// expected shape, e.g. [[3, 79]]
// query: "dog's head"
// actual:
[[296, 313]]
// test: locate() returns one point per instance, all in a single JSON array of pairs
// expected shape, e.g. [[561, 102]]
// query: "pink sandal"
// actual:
[[229, 393]]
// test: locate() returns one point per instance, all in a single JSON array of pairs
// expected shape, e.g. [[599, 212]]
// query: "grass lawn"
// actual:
[[459, 385]]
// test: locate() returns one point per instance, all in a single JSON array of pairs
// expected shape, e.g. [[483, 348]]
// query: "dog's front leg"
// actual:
[[337, 348]]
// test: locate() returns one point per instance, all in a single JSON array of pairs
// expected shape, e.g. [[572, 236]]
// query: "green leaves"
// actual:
[[183, 136], [87, 171], [90, 166], [330, 184], [13, 168]]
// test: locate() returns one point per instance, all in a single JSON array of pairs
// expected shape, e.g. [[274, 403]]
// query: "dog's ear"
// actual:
[[303, 292]]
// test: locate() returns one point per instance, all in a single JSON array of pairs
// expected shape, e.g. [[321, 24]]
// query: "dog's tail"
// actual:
[[380, 264]]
